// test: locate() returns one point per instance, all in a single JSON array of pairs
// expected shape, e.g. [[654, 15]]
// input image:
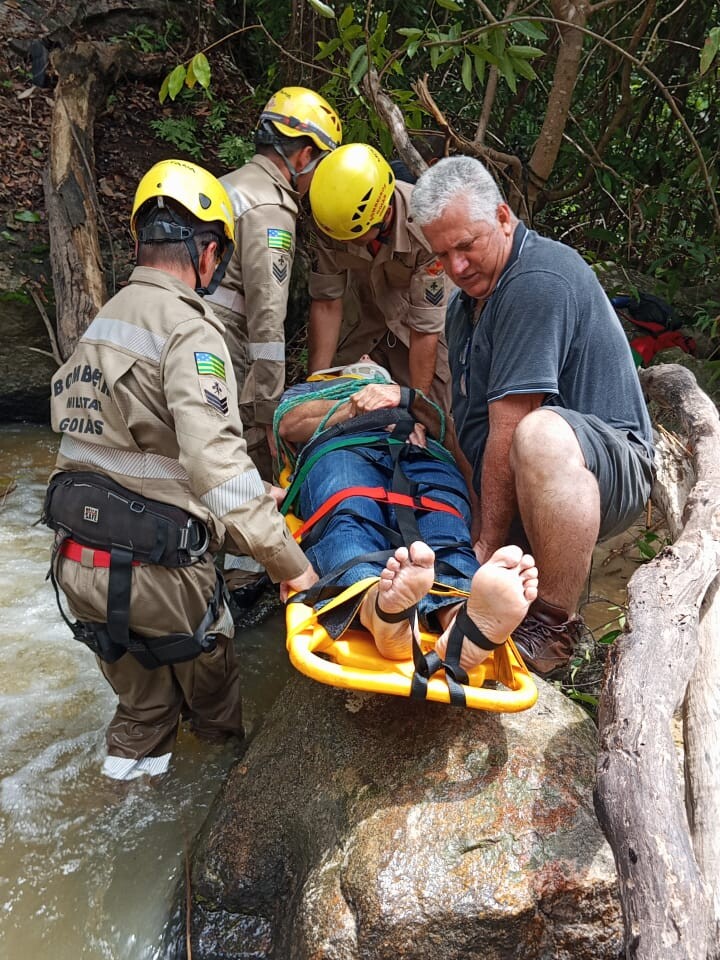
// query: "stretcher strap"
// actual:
[[379, 494]]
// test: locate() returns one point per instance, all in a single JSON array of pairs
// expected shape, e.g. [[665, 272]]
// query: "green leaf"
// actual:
[[412, 33], [357, 53], [523, 68], [467, 72], [497, 42], [646, 550], [360, 68], [380, 30], [346, 18], [506, 69], [610, 636], [412, 48], [162, 95], [480, 65], [449, 5], [201, 69], [524, 53], [27, 216], [190, 79], [322, 8], [326, 49], [176, 81], [529, 29], [708, 52]]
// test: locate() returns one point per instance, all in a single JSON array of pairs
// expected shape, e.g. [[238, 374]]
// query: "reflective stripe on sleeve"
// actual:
[[237, 199], [128, 463], [233, 493], [126, 335], [274, 350], [230, 299], [242, 563]]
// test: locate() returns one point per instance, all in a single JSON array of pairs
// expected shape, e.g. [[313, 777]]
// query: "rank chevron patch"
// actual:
[[280, 269], [434, 293]]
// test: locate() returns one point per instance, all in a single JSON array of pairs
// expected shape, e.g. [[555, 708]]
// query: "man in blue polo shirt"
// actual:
[[547, 404]]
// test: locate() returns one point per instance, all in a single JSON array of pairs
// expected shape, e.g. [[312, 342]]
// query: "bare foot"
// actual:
[[407, 577], [500, 594]]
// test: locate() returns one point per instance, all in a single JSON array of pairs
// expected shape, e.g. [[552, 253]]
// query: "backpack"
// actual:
[[657, 319]]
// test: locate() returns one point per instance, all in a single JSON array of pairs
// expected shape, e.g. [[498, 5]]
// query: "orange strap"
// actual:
[[374, 493]]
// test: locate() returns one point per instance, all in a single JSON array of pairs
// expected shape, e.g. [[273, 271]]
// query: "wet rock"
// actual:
[[376, 827], [25, 367]]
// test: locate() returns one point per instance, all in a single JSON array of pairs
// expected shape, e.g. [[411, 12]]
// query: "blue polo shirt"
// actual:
[[547, 328]]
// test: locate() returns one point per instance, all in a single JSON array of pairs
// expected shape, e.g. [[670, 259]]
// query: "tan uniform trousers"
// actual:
[[205, 691]]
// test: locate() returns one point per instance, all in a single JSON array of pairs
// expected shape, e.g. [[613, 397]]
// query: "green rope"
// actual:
[[340, 391]]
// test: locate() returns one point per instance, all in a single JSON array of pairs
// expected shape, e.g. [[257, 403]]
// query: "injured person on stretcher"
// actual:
[[380, 496]]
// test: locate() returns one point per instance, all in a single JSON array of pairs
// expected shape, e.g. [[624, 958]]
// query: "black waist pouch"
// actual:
[[97, 512]]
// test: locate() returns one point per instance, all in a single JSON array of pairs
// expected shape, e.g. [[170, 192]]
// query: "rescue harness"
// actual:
[[100, 523]]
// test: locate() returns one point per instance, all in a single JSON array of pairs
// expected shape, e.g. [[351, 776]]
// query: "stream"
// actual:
[[88, 866]]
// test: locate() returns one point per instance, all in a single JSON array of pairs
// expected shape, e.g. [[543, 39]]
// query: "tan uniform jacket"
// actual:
[[252, 299], [402, 287], [149, 398]]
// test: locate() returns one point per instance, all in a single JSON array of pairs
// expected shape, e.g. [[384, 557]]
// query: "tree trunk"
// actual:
[[668, 876], [547, 147], [70, 196], [86, 72]]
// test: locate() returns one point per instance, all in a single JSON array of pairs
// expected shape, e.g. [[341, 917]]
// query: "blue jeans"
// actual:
[[349, 534]]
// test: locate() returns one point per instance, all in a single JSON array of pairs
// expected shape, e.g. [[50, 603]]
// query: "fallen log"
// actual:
[[662, 827]]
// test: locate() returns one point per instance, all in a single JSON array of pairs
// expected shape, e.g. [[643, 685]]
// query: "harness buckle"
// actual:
[[195, 538]]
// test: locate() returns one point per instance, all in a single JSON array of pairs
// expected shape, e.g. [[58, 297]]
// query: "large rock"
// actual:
[[25, 363], [360, 826]]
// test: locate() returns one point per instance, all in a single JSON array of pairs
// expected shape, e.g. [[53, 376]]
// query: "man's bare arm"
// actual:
[[498, 504], [323, 333], [300, 423], [422, 357]]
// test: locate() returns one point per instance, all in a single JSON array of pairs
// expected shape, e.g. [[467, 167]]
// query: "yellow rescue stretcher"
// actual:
[[501, 683]]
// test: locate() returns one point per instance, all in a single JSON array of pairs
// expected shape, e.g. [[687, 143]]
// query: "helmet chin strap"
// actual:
[[170, 231]]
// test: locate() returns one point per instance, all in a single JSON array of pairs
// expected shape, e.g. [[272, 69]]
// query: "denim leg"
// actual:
[[346, 535]]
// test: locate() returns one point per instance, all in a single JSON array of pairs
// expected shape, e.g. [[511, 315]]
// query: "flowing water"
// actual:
[[88, 867]]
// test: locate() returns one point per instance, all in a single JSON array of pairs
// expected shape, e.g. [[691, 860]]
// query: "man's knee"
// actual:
[[544, 438]]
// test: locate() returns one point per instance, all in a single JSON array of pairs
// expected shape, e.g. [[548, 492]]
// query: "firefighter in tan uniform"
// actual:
[[295, 131], [153, 476], [376, 287]]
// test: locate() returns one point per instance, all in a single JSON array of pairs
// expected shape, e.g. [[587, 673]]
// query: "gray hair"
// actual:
[[450, 178]]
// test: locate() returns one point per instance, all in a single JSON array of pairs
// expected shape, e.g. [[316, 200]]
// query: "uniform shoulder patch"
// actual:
[[280, 267], [215, 394], [279, 239], [208, 365], [434, 291]]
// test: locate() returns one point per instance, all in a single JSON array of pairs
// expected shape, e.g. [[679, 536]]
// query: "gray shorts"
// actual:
[[620, 463]]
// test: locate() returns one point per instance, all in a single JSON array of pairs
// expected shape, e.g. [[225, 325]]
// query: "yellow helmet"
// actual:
[[351, 191], [192, 187], [299, 112]]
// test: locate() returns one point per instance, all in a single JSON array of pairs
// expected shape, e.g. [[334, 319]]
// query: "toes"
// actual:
[[421, 554], [509, 556]]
